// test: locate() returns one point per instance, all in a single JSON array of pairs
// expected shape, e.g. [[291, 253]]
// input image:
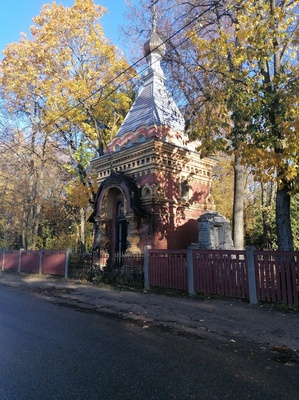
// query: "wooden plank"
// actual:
[[263, 277], [283, 281], [278, 282], [294, 268], [257, 276], [272, 273], [288, 281]]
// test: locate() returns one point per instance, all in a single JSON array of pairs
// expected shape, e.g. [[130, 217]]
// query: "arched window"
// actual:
[[141, 139], [146, 191], [185, 190]]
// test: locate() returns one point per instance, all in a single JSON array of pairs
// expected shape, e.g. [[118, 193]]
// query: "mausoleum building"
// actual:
[[153, 184]]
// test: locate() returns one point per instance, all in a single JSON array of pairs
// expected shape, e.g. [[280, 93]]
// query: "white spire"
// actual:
[[154, 105]]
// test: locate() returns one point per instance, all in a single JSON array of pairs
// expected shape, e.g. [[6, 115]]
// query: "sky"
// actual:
[[16, 17]]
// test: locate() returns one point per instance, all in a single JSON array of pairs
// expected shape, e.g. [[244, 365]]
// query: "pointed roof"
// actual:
[[153, 107]]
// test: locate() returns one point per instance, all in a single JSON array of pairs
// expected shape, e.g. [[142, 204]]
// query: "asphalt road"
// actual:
[[50, 351]]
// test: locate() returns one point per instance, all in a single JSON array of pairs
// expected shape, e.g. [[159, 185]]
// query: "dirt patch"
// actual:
[[51, 291]]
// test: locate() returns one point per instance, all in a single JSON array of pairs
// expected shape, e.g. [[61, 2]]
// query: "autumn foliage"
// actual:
[[236, 65], [232, 66], [68, 88]]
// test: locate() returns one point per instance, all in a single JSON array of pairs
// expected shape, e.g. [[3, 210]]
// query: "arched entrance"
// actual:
[[118, 215]]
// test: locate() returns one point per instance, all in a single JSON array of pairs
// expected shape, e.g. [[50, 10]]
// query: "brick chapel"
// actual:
[[153, 184]]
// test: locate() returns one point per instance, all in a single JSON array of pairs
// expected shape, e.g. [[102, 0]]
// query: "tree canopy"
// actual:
[[233, 65], [236, 65], [70, 87]]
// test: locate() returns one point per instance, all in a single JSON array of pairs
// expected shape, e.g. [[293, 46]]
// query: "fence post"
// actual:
[[3, 258], [67, 259], [40, 264], [251, 275], [146, 248], [20, 258], [190, 271]]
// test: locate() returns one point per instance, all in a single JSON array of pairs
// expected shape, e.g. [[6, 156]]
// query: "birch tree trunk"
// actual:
[[238, 207]]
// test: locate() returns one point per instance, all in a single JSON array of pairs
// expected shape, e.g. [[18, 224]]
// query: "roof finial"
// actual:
[[154, 45], [154, 13]]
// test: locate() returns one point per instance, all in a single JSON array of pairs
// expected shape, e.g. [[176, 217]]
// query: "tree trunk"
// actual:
[[283, 220], [34, 206], [82, 230], [24, 230], [238, 208], [267, 203], [36, 225]]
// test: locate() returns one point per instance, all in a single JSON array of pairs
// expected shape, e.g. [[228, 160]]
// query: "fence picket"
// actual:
[[283, 281], [288, 280], [294, 284]]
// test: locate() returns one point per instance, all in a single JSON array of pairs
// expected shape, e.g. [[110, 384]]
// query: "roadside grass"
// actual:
[[284, 308]]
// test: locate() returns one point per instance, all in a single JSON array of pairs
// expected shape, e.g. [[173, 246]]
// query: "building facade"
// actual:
[[153, 184]]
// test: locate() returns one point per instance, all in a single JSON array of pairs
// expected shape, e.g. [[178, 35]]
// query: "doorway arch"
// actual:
[[118, 213]]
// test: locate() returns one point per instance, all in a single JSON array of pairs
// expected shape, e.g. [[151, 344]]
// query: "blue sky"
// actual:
[[16, 17]]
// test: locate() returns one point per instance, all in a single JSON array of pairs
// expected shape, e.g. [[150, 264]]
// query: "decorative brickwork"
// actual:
[[152, 169]]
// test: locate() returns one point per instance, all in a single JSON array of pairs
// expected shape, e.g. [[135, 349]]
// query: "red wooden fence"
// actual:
[[225, 272], [10, 260], [220, 272], [277, 276], [168, 269], [42, 261], [29, 261]]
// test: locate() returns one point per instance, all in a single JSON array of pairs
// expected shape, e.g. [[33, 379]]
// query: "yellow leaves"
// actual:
[[89, 130], [64, 68], [269, 165], [78, 194], [292, 172], [242, 35]]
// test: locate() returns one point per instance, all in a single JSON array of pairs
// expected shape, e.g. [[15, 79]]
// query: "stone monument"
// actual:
[[214, 232]]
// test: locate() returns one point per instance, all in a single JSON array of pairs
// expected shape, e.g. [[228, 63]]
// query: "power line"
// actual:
[[120, 74]]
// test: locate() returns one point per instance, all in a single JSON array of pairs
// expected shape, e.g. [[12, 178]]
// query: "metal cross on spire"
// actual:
[[154, 13]]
